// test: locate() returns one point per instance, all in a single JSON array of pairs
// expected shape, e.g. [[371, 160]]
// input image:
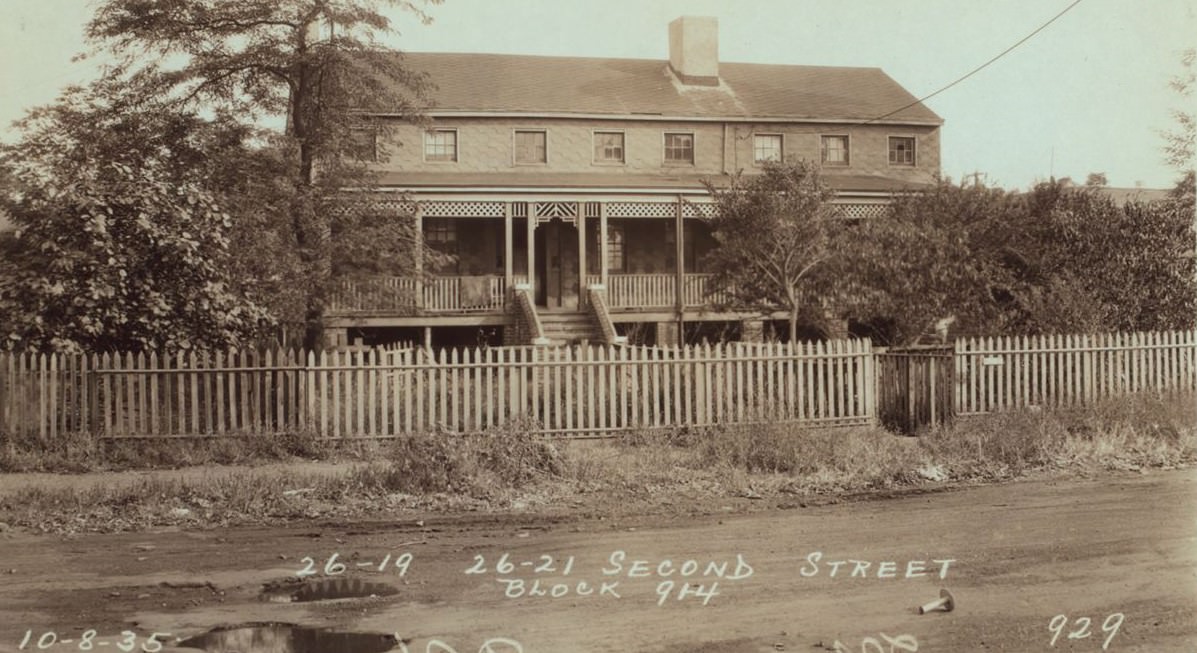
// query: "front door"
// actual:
[[557, 266]]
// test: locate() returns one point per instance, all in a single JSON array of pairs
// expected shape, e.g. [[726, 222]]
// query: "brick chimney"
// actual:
[[694, 50]]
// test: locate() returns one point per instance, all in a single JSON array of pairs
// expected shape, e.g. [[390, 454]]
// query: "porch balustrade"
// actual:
[[472, 294], [400, 294], [658, 290]]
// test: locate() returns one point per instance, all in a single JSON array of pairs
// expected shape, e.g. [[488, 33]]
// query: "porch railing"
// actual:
[[402, 294], [657, 290], [489, 293]]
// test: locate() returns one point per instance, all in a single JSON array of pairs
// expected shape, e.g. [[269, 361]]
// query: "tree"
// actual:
[[1060, 259], [118, 245], [1179, 141], [944, 254], [317, 64], [775, 233], [1096, 180], [1129, 266]]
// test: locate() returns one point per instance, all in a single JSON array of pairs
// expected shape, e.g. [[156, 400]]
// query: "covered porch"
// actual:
[[645, 250], [641, 252]]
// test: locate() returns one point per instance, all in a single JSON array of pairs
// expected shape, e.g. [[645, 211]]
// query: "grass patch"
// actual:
[[435, 470], [483, 465], [1127, 433], [642, 471], [81, 452], [1130, 432]]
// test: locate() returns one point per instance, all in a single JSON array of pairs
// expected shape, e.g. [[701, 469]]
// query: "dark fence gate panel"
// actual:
[[914, 387]]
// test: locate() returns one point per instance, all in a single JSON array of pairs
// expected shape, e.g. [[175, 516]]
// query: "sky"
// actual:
[[1087, 94]]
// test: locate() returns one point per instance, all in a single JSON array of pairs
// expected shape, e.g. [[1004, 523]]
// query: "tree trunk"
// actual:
[[312, 231], [793, 324], [312, 234]]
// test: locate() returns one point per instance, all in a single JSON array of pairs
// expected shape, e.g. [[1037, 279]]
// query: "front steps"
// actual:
[[569, 328]]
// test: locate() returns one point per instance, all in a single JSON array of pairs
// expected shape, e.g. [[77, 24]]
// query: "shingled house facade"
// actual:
[[570, 190]]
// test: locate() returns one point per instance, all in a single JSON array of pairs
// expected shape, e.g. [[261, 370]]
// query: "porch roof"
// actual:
[[581, 181]]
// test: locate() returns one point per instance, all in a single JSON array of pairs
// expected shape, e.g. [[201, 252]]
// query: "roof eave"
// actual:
[[466, 113]]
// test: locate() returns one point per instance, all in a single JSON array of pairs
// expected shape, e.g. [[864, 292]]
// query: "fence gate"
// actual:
[[914, 386]]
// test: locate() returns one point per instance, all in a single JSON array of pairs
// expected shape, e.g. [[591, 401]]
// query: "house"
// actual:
[[572, 187]]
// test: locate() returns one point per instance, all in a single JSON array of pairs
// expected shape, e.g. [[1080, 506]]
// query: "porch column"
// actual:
[[582, 296], [419, 219], [603, 245], [509, 248], [531, 225], [679, 237]]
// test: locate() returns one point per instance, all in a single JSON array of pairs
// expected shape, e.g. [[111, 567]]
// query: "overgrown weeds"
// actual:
[[434, 469], [507, 466], [81, 452], [482, 465], [1131, 432]]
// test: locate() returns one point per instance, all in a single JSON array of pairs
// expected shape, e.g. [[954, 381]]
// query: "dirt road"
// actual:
[[1110, 564]]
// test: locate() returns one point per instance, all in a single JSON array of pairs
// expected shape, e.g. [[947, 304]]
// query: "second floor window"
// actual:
[[440, 145], [835, 150], [766, 147], [531, 147], [901, 150], [679, 148], [608, 147]]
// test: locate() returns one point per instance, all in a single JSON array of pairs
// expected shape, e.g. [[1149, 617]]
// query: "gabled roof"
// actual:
[[538, 85]]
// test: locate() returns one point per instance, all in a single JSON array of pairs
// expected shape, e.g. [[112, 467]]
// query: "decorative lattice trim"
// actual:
[[640, 209], [860, 211], [556, 210], [398, 207], [463, 209], [659, 209], [695, 210]]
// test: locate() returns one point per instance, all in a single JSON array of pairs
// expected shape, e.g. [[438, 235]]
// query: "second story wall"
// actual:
[[489, 145]]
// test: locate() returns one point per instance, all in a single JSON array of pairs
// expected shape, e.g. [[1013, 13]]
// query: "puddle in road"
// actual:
[[327, 589], [287, 638]]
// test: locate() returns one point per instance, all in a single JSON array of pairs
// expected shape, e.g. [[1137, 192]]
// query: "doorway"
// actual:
[[557, 266]]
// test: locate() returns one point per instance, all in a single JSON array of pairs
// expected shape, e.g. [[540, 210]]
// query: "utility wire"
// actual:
[[978, 68]]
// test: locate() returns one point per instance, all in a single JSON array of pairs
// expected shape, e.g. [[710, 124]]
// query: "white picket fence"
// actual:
[[1002, 373], [587, 390], [568, 391]]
